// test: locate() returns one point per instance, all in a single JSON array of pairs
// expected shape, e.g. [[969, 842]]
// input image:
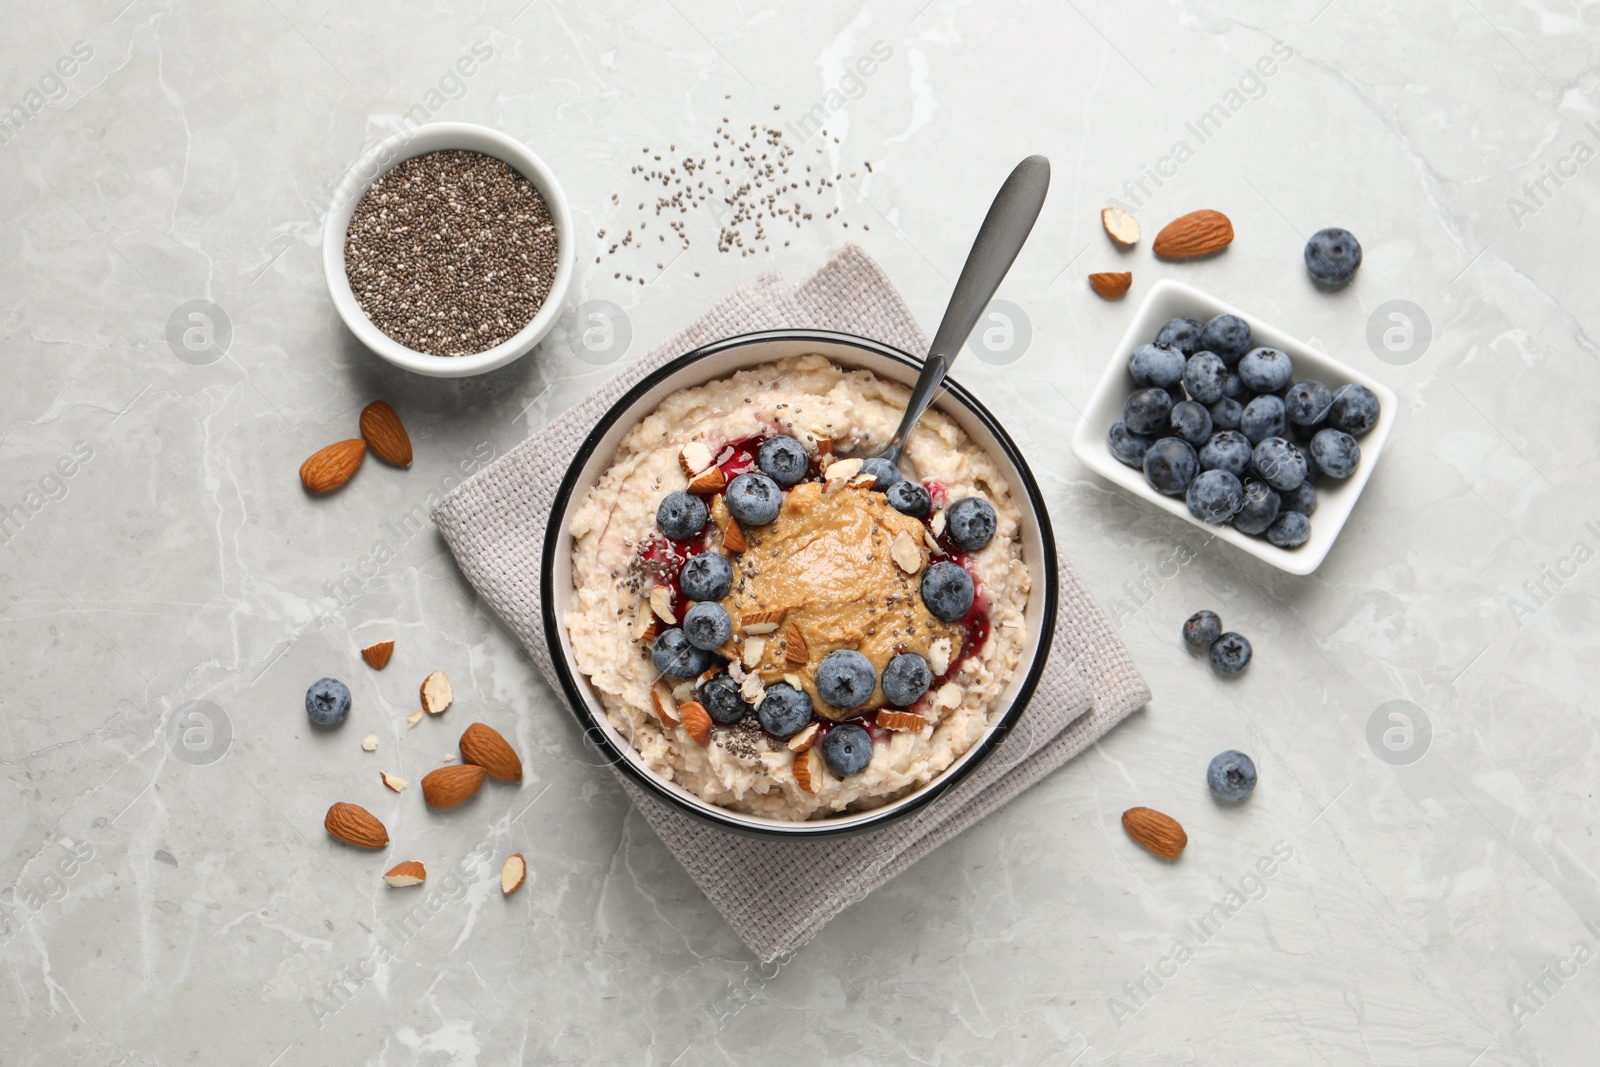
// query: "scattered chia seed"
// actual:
[[451, 253]]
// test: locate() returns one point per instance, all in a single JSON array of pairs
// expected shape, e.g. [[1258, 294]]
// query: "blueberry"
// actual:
[[722, 700], [1291, 530], [1228, 450], [883, 472], [1263, 417], [947, 591], [1266, 370], [1307, 403], [1214, 496], [707, 626], [1156, 365], [1226, 413], [1231, 776], [1233, 387], [1147, 410], [847, 749], [1355, 410], [1127, 446], [1203, 376], [910, 498], [785, 710], [1280, 464], [1332, 256], [1260, 508], [706, 576], [674, 656], [1201, 630], [1302, 498], [971, 522], [783, 459], [682, 515], [1336, 453], [846, 678], [1228, 336], [1170, 465], [1182, 334], [754, 499], [327, 701], [1191, 421], [1230, 654], [906, 678]]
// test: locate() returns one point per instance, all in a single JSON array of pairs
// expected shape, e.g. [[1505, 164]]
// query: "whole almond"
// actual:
[[1159, 833], [406, 873], [1112, 285], [697, 721], [452, 785], [484, 746], [331, 467], [355, 825], [1198, 233], [385, 434], [1120, 226], [377, 656]]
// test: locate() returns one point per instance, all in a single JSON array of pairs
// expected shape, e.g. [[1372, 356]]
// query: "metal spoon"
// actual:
[[1000, 238]]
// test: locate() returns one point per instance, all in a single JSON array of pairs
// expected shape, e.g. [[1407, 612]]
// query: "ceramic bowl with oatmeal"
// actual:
[[772, 629]]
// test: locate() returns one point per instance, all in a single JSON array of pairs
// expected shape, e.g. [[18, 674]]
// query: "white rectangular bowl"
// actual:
[[1168, 300]]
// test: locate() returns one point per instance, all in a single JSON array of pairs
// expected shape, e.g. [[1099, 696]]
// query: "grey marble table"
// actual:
[[1418, 889]]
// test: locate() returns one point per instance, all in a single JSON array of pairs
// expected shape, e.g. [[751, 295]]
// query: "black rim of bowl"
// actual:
[[731, 820]]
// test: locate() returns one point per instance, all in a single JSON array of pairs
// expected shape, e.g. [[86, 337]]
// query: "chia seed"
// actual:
[[451, 253]]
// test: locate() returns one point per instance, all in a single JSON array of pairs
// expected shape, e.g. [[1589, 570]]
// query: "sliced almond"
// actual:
[[939, 656], [513, 874], [753, 689], [760, 622], [808, 770], [795, 650], [907, 556], [696, 722], [862, 480], [665, 703], [406, 874], [794, 680], [824, 450], [645, 624], [377, 656], [754, 648], [933, 543], [1120, 226], [891, 719], [708, 481], [948, 696], [842, 470], [661, 605], [394, 782], [369, 743], [936, 524], [414, 718], [805, 738], [733, 536], [694, 457], [436, 693], [1112, 285]]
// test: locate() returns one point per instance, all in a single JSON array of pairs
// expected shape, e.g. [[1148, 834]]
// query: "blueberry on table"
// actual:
[[883, 472], [682, 515], [847, 749], [1302, 498], [1336, 453], [1259, 510], [846, 678], [1214, 496], [906, 678], [707, 626], [1156, 365], [1308, 403], [1228, 336], [1355, 410], [1201, 630], [947, 591], [721, 698], [1263, 417], [1228, 450], [1127, 446], [675, 657], [754, 499], [1146, 410], [911, 498], [1191, 421], [785, 710], [327, 701], [1291, 530], [1231, 776], [1203, 377], [971, 522], [1332, 256], [1182, 334], [1280, 464], [1266, 370], [1230, 654], [706, 576], [1170, 465], [783, 459], [1226, 414]]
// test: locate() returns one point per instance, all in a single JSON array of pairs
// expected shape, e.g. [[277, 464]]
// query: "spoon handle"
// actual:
[[1000, 238]]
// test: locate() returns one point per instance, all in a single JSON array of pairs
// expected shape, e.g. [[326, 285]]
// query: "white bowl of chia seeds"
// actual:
[[448, 249]]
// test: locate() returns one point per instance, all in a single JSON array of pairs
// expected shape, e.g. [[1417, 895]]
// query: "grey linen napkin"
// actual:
[[777, 894]]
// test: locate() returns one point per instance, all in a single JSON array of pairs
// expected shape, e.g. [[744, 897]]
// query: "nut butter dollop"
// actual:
[[825, 572]]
